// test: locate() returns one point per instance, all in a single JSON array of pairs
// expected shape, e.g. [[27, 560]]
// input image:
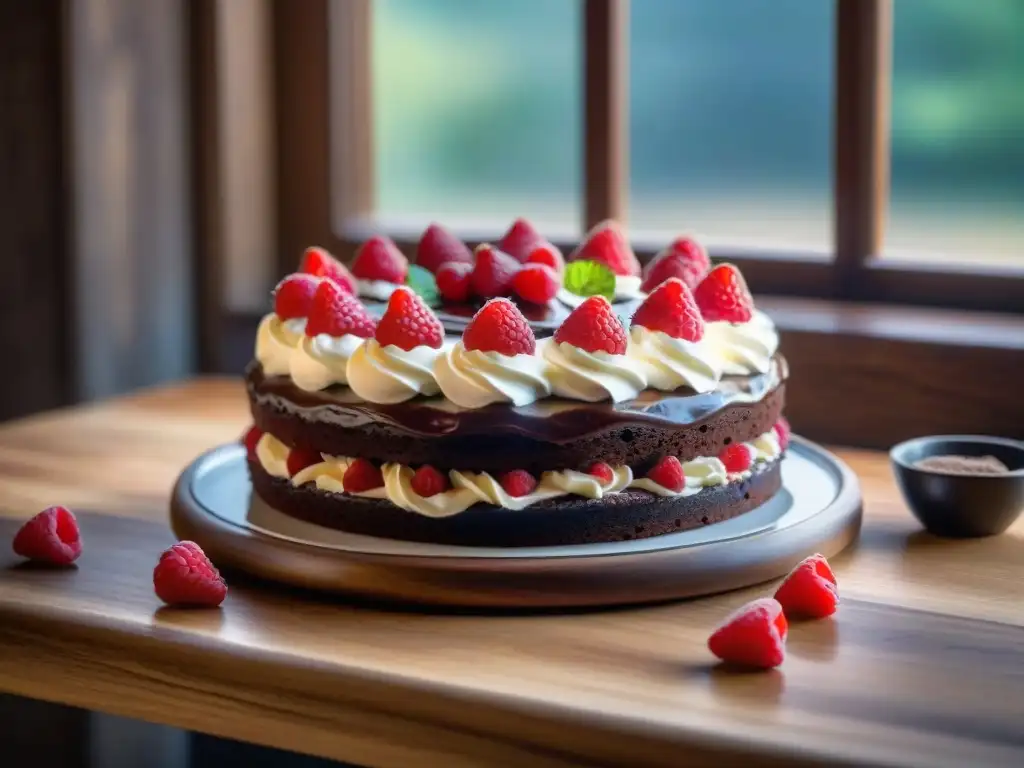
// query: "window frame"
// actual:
[[314, 193]]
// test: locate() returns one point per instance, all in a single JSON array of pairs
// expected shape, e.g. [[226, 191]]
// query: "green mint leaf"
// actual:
[[589, 278], [423, 284]]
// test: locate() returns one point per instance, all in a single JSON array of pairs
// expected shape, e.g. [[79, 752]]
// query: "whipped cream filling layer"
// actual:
[[469, 488]]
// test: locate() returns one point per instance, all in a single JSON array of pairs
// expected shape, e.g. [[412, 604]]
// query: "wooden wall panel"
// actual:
[[33, 264]]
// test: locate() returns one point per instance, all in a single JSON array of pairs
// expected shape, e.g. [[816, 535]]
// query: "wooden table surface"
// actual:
[[923, 664]]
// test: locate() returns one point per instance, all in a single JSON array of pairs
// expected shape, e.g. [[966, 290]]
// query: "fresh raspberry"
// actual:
[[518, 482], [668, 473], [602, 472], [493, 272], [736, 458], [408, 323], [337, 313], [51, 537], [606, 243], [810, 590], [593, 327], [546, 253], [428, 481], [317, 261], [293, 296], [249, 439], [184, 576], [300, 458], [753, 636], [684, 258], [379, 259], [536, 283], [783, 432], [453, 281], [438, 246], [723, 296], [671, 310], [520, 240], [361, 476], [500, 327]]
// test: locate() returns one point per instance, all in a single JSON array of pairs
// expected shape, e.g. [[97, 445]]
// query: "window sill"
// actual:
[[866, 376]]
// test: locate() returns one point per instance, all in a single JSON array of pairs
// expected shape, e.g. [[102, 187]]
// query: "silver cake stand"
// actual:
[[817, 510]]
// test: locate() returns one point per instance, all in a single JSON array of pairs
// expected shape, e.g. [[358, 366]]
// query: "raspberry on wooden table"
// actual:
[[438, 246], [51, 537], [593, 327], [723, 296], [453, 281], [337, 314], [606, 243], [408, 323], [184, 576], [753, 636], [493, 272], [684, 258], [520, 239], [500, 327], [429, 481], [536, 283], [361, 476], [668, 473], [672, 310], [379, 259], [317, 261], [293, 296], [518, 482], [810, 590]]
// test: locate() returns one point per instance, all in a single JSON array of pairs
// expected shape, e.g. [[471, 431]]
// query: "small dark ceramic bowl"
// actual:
[[959, 505]]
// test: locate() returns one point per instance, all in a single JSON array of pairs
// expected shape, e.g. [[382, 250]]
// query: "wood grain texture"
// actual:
[[923, 665]]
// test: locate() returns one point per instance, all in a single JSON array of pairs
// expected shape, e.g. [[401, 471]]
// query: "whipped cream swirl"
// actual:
[[320, 361], [668, 363], [275, 340], [473, 378], [744, 348], [272, 455], [391, 374], [590, 376]]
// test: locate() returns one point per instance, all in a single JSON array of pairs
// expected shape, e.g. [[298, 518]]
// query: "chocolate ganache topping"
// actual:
[[551, 420]]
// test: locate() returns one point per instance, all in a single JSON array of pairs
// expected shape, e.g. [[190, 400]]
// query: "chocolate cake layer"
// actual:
[[548, 434], [632, 514]]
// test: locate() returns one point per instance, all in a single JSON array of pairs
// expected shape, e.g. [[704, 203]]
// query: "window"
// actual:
[[730, 127], [958, 132], [476, 112], [840, 150]]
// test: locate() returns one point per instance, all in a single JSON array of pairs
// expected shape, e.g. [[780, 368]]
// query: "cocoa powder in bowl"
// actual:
[[963, 465]]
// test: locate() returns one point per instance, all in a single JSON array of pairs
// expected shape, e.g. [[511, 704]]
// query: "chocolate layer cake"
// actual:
[[385, 427]]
